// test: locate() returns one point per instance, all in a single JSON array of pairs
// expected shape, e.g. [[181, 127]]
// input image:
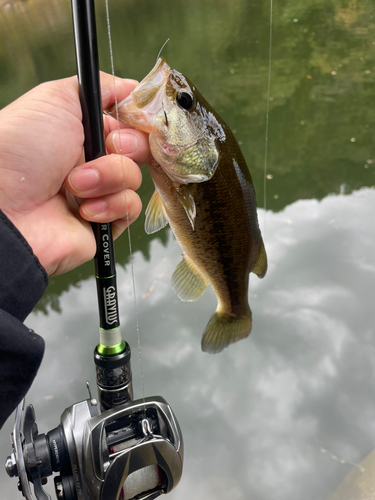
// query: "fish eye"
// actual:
[[185, 100]]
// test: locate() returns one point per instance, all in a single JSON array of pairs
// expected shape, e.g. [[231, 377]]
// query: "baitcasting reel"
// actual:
[[130, 450]]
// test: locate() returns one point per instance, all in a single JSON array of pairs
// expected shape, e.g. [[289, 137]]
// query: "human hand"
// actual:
[[41, 141]]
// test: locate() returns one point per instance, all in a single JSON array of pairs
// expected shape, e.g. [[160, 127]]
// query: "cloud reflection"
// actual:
[[256, 416]]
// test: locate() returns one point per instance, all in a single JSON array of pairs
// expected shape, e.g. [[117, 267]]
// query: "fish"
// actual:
[[204, 191]]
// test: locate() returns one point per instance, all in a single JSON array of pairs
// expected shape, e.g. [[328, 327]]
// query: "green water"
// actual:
[[321, 122], [259, 418]]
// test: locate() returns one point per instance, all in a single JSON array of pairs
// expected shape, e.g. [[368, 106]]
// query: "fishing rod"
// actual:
[[117, 448], [112, 354]]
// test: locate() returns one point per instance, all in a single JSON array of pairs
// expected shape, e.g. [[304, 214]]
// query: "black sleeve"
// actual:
[[22, 283]]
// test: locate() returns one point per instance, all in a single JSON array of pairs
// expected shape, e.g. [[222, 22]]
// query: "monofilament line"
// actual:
[[160, 51], [267, 119], [126, 201]]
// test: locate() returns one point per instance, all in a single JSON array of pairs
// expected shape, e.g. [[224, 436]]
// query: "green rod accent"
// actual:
[[106, 350]]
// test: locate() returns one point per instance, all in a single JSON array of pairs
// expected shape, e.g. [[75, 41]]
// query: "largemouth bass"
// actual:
[[205, 192]]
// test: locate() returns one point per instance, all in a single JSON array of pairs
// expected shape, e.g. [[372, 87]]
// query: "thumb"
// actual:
[[114, 88]]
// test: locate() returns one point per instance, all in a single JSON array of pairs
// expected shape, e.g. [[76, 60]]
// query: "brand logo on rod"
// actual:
[[110, 305]]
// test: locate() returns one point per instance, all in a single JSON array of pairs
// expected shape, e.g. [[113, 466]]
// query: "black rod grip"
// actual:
[[85, 38]]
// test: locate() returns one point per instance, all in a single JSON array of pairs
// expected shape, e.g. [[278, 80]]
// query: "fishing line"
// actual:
[[267, 120], [161, 50], [126, 201]]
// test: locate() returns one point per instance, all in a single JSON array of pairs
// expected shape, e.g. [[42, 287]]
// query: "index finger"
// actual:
[[114, 89]]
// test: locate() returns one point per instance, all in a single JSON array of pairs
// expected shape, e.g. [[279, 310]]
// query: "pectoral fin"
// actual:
[[187, 201], [187, 281], [260, 267], [155, 214]]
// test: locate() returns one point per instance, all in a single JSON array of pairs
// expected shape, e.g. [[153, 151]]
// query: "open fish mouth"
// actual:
[[149, 87], [146, 100]]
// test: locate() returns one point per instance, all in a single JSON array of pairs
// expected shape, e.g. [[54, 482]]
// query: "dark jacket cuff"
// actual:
[[22, 278], [21, 352]]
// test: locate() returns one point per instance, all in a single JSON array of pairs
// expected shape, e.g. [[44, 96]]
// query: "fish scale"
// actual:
[[205, 192]]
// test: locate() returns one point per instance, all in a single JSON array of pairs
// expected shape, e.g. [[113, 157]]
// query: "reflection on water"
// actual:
[[322, 78], [265, 418], [35, 38]]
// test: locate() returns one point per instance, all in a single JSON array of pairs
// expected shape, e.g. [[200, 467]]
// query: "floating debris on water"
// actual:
[[150, 289], [339, 459]]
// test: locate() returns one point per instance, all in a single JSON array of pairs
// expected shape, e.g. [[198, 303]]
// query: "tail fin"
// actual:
[[224, 329]]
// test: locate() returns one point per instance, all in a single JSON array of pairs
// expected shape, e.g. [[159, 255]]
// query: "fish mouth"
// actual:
[[146, 99], [149, 87]]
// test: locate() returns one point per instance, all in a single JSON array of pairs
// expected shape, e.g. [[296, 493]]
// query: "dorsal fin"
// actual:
[[260, 266]]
